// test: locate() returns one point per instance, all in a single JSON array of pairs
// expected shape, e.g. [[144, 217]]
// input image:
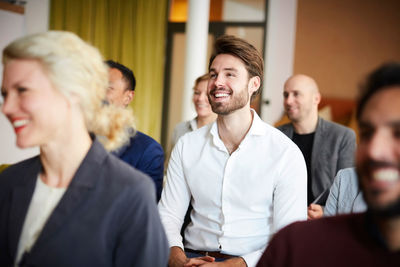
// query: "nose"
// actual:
[[8, 104], [203, 97], [288, 99], [219, 81], [380, 146]]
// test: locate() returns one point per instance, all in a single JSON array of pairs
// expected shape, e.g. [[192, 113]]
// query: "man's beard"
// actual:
[[302, 114], [238, 101], [292, 118], [388, 211]]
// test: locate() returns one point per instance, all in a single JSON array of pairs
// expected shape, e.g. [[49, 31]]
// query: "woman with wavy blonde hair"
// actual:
[[74, 204]]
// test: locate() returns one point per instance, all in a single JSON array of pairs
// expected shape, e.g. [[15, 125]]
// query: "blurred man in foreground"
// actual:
[[364, 239]]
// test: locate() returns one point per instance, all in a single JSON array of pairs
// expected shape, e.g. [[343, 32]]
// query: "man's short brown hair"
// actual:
[[252, 59]]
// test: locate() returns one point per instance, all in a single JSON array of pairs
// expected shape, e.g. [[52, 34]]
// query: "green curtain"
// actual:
[[131, 32], [4, 166]]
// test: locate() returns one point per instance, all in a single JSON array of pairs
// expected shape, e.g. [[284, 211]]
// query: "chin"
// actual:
[[204, 114], [24, 143], [291, 116], [389, 210], [293, 119]]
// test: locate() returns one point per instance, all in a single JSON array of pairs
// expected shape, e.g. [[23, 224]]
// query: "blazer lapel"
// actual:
[[83, 181], [20, 200]]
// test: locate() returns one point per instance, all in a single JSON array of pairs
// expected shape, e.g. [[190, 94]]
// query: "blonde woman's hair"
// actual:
[[204, 77], [77, 69]]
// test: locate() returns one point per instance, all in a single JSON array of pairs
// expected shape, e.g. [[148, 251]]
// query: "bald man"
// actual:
[[327, 147]]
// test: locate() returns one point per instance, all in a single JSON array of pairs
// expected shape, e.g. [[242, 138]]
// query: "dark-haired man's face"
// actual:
[[378, 152], [229, 87], [117, 93]]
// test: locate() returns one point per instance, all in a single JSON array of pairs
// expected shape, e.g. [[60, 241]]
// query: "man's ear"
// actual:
[[317, 98], [128, 97], [254, 84]]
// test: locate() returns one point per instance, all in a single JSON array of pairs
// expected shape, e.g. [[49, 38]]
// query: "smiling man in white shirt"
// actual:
[[244, 178]]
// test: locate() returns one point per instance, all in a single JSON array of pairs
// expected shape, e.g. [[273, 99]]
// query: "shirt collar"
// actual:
[[257, 128], [193, 124]]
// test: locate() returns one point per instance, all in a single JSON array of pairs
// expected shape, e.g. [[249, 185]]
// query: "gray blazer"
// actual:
[[106, 217], [333, 149], [345, 195]]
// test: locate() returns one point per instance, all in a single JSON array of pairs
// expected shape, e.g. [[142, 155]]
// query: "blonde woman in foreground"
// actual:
[[74, 204]]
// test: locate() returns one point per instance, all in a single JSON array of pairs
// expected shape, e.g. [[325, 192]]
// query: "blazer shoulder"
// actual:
[[336, 127], [122, 174], [285, 127], [335, 131], [13, 174]]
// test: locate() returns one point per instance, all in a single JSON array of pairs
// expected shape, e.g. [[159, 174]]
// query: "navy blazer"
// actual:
[[106, 217], [333, 149], [146, 155]]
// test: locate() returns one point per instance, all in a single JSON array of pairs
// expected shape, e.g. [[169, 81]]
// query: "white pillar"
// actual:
[[279, 56], [196, 51]]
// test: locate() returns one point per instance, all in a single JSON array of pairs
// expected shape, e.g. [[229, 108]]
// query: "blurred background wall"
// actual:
[[335, 41]]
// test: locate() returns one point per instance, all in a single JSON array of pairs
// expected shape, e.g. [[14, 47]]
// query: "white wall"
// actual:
[[37, 16], [12, 26], [243, 11], [279, 46], [279, 56]]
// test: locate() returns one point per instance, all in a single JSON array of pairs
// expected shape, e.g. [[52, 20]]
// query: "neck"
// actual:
[[306, 126], [232, 128], [61, 158], [390, 229], [201, 121]]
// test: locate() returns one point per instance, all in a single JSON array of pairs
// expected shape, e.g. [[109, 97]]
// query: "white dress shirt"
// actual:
[[238, 200]]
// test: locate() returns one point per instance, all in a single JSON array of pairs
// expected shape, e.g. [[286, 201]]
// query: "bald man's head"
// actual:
[[301, 98]]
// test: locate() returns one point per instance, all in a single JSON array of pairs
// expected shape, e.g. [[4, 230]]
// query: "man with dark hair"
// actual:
[[142, 152], [244, 178], [365, 239], [327, 146], [122, 84]]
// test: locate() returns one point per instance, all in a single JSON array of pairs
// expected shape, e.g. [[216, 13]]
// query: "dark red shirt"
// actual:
[[346, 240]]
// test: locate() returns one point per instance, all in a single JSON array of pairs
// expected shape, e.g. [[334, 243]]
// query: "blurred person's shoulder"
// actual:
[[18, 173]]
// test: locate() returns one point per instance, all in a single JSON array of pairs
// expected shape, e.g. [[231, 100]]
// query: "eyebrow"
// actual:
[[225, 69], [290, 91], [364, 124], [392, 124]]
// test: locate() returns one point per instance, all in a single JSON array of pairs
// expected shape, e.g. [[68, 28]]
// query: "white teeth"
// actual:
[[221, 95], [19, 123], [386, 175]]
